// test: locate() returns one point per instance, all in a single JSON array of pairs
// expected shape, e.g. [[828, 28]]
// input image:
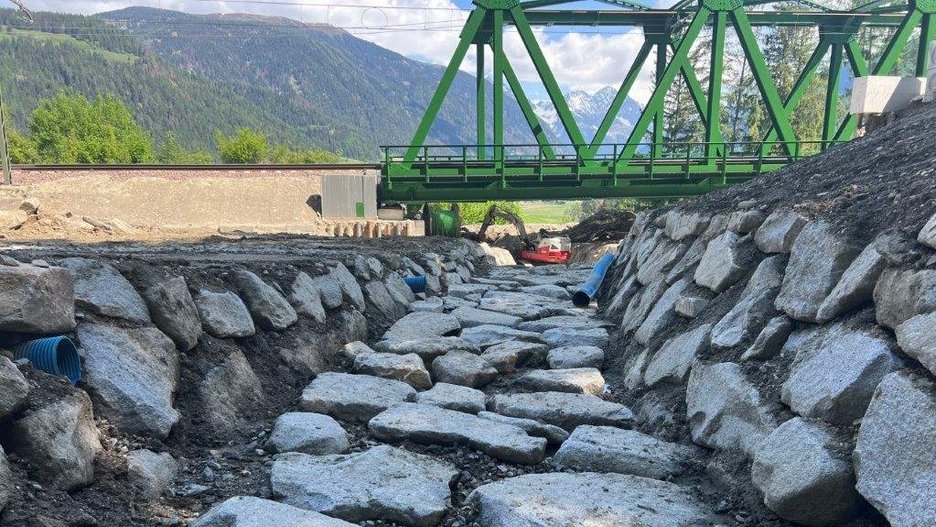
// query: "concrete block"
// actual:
[[931, 75], [882, 94]]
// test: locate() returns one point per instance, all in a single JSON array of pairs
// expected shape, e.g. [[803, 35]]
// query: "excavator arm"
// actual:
[[494, 213]]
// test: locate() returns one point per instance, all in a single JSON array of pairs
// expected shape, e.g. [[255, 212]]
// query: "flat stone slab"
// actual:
[[427, 348], [609, 449], [420, 325], [551, 433], [564, 321], [529, 353], [428, 424], [353, 397], [489, 334], [575, 357], [408, 368], [527, 307], [590, 499], [454, 397], [383, 483], [463, 368], [471, 317], [308, 433], [565, 410], [558, 337], [572, 380], [248, 511]]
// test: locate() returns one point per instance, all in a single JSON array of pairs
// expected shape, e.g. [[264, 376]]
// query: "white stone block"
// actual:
[[880, 94]]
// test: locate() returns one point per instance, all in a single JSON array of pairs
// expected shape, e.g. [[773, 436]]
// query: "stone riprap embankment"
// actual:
[[800, 353], [183, 361]]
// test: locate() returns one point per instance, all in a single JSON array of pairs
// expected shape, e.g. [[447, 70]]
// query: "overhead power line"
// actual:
[[19, 4]]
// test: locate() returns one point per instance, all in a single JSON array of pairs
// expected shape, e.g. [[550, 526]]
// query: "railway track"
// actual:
[[206, 168]]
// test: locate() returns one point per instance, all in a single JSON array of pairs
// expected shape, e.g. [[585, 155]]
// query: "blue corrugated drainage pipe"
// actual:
[[55, 355], [416, 283], [587, 291]]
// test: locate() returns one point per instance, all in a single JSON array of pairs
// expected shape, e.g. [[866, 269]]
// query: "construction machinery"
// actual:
[[541, 248]]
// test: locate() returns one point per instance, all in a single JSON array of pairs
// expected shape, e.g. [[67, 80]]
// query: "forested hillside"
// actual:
[[306, 86]]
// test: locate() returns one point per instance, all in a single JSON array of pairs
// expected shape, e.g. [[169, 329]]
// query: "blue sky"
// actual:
[[585, 59]]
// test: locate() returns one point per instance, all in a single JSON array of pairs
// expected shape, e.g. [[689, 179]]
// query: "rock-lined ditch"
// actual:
[[189, 352], [800, 355]]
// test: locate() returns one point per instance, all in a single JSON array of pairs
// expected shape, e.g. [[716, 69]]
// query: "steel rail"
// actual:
[[198, 168]]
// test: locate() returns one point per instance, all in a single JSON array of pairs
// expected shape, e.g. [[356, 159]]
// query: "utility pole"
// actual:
[[4, 148], [4, 145]]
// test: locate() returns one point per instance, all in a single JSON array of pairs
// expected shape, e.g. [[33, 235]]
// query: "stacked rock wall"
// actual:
[[803, 357], [177, 355]]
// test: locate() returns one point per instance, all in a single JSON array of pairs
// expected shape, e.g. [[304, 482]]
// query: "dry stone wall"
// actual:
[[803, 359], [181, 354]]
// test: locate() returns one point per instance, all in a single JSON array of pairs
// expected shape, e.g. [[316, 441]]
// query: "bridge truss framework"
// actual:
[[655, 169]]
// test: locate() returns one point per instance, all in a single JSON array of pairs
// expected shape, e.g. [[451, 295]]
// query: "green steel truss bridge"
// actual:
[[644, 166]]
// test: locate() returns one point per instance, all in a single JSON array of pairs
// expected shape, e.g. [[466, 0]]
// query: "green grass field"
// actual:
[[552, 212], [69, 40]]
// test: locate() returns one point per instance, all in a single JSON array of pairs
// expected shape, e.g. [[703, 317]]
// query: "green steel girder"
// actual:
[[638, 169]]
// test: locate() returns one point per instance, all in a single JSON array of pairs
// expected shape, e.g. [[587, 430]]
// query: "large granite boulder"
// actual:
[[132, 376], [819, 257], [173, 311], [14, 388], [308, 433], [802, 478], [151, 473], [36, 299], [350, 288], [725, 410], [224, 315], [228, 389], [306, 298], [917, 338], [927, 234], [855, 288], [779, 231], [755, 307], [58, 437], [721, 265], [834, 375], [673, 361], [901, 295], [100, 289], [383, 483], [427, 348], [662, 314], [893, 457], [269, 309], [575, 356]]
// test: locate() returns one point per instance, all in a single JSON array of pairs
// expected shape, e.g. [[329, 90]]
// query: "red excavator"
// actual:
[[542, 249]]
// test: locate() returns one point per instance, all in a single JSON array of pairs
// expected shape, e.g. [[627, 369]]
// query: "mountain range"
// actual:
[[303, 84]]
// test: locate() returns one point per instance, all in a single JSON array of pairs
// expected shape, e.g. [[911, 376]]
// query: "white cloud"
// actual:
[[428, 30]]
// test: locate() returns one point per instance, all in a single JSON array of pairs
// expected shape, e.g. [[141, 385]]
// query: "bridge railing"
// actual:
[[555, 161]]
